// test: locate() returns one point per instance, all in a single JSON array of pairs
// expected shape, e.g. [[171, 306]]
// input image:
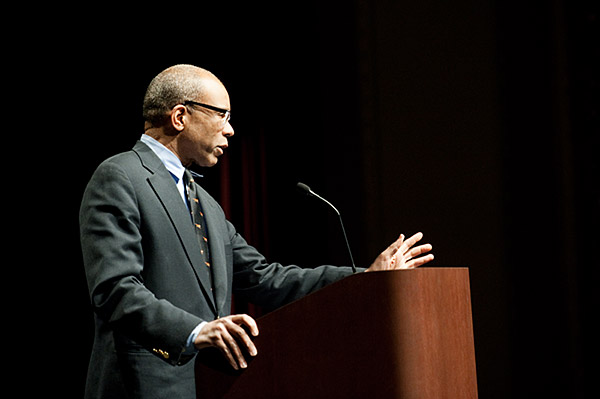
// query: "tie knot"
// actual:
[[187, 178]]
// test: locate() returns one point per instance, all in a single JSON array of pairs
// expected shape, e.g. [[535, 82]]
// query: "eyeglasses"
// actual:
[[226, 114]]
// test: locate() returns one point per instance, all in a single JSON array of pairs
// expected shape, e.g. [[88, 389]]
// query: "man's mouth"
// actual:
[[220, 149]]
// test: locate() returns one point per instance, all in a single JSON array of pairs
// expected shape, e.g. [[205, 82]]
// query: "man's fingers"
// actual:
[[412, 256], [421, 249], [228, 347], [244, 319], [242, 336], [236, 351], [411, 241], [394, 247], [419, 261], [228, 354], [229, 336]]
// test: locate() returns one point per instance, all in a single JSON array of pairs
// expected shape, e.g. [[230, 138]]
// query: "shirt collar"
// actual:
[[168, 158]]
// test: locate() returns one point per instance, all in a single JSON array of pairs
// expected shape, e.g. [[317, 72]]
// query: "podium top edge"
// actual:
[[424, 268]]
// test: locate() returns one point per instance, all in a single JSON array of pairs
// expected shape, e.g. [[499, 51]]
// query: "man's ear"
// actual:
[[178, 115]]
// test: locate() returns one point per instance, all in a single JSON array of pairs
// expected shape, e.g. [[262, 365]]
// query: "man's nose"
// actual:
[[228, 130]]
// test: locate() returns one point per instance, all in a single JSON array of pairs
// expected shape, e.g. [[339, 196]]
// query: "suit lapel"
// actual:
[[164, 187]]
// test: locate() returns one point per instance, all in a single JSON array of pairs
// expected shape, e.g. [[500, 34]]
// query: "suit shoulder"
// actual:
[[125, 160], [122, 169], [126, 163]]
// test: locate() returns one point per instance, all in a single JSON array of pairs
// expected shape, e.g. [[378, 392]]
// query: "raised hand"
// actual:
[[402, 255]]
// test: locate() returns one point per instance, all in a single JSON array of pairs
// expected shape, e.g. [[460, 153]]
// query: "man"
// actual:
[[161, 259]]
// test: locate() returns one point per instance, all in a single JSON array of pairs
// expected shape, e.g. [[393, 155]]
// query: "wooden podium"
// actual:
[[400, 334]]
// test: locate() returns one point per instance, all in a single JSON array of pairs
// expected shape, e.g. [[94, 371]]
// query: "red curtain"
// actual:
[[243, 194]]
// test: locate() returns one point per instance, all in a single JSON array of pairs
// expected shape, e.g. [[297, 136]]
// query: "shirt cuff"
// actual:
[[189, 345]]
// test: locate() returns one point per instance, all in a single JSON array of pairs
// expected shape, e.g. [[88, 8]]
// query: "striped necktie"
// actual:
[[197, 217]]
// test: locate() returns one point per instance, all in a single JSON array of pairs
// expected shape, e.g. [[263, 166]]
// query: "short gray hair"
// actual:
[[172, 86]]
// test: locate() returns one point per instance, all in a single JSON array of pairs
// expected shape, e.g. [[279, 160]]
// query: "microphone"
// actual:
[[304, 189]]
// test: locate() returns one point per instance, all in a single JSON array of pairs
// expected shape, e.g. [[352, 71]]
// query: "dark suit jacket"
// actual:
[[148, 284]]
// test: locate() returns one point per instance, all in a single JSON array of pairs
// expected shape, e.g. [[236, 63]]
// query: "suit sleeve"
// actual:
[[272, 285], [114, 261]]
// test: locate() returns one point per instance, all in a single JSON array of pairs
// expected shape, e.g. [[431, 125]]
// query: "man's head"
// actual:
[[187, 108]]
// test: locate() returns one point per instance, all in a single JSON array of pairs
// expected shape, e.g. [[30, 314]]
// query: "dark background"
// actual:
[[475, 122]]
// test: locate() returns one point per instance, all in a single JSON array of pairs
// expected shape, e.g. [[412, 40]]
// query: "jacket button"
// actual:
[[161, 352]]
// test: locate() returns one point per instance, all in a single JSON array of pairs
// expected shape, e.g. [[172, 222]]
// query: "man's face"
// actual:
[[205, 135]]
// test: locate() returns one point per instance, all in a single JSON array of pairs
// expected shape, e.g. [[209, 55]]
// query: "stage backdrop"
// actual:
[[471, 121]]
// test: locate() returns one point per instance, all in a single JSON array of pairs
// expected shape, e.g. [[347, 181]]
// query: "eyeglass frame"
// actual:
[[226, 112]]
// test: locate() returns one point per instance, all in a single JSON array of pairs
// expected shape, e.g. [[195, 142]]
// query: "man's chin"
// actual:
[[208, 163]]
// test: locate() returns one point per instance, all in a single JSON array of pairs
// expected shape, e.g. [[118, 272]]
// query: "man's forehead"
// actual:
[[214, 90]]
